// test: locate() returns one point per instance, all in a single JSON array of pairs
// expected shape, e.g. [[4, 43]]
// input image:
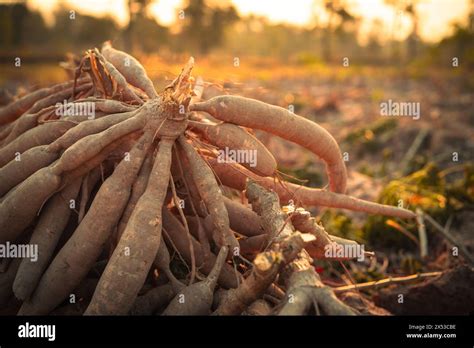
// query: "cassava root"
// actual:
[[140, 190]]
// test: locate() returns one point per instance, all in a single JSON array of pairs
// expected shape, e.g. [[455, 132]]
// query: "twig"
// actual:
[[422, 233], [386, 281], [453, 240], [175, 248], [188, 234], [403, 230], [413, 149], [447, 226], [451, 170]]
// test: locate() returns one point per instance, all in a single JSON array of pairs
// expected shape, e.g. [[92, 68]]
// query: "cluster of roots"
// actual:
[[114, 196]]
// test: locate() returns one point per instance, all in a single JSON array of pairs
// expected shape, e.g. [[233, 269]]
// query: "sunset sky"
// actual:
[[436, 16]]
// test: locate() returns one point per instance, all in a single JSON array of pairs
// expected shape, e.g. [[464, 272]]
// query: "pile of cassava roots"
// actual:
[[124, 192]]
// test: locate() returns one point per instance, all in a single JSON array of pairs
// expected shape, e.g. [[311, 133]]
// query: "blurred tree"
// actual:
[[136, 11], [328, 35], [142, 32], [203, 26], [408, 7], [18, 12], [470, 19], [20, 27], [148, 35], [414, 37], [374, 47], [459, 45], [34, 29], [81, 31], [12, 17], [338, 25]]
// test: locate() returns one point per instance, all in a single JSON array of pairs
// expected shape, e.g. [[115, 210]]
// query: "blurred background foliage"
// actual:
[[202, 27]]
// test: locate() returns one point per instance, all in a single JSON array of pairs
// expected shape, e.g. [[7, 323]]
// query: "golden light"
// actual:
[[435, 16]]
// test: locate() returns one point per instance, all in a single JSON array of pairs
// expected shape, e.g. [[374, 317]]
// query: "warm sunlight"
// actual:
[[436, 16]]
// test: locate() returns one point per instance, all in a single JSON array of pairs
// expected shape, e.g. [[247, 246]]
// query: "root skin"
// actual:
[[41, 135], [235, 176], [227, 136], [48, 230], [32, 160], [20, 207], [276, 120], [197, 298], [212, 197], [130, 68], [133, 257], [81, 251]]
